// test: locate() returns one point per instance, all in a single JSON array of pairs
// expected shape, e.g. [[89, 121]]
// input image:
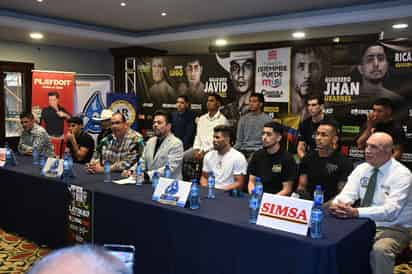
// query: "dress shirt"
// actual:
[[205, 126], [392, 200]]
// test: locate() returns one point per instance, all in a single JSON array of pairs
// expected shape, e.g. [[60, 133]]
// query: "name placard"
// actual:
[[172, 192], [53, 168], [285, 213]]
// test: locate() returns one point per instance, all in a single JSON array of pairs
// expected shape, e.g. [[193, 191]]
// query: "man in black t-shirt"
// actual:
[[381, 120], [80, 143], [54, 115], [275, 166], [325, 166], [308, 127]]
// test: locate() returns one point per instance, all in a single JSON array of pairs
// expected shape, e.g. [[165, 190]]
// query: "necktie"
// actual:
[[367, 199]]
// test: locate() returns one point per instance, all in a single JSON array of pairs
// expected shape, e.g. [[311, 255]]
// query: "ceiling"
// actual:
[[190, 26]]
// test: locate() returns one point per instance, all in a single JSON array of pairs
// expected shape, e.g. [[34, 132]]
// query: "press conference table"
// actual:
[[216, 238]]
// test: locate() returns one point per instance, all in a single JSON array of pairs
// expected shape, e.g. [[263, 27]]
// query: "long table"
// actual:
[[217, 238]]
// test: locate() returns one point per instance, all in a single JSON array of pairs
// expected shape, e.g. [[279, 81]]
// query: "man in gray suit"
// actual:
[[163, 148]]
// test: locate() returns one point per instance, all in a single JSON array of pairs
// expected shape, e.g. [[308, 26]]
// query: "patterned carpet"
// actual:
[[17, 254]]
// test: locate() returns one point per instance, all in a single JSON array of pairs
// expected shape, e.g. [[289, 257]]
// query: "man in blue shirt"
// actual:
[[183, 122]]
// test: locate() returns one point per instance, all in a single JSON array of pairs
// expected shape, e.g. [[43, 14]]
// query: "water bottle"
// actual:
[[10, 160], [211, 186], [318, 195], [139, 174], [66, 168], [167, 172], [107, 174], [155, 179], [259, 187], [316, 222], [42, 162], [35, 154], [253, 207], [194, 195]]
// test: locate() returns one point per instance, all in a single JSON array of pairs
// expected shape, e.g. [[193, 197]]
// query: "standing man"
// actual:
[[373, 69], [241, 66], [163, 148], [33, 135], [249, 129], [272, 164], [381, 120], [54, 115], [307, 128], [325, 166], [227, 164], [160, 91], [384, 187], [307, 73], [183, 122], [80, 143], [122, 148], [204, 133]]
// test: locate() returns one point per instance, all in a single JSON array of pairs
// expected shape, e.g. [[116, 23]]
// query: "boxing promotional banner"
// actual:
[[273, 74], [52, 100], [126, 104]]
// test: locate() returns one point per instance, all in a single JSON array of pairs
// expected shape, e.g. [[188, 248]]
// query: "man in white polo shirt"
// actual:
[[227, 164]]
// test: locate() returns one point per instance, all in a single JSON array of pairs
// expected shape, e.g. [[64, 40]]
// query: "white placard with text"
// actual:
[[285, 213], [53, 168], [172, 192]]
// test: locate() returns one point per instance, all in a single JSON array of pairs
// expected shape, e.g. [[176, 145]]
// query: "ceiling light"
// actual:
[[123, 4], [163, 14], [36, 35], [220, 42], [39, 1], [336, 40], [400, 26], [298, 34]]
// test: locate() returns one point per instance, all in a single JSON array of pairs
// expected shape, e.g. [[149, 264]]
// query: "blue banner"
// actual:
[[125, 104]]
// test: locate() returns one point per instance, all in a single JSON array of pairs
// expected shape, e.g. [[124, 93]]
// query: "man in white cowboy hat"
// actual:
[[241, 67], [104, 119]]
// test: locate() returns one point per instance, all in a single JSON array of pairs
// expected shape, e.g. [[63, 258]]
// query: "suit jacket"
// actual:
[[170, 151]]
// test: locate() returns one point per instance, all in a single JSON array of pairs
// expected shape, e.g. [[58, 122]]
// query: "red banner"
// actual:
[[52, 100]]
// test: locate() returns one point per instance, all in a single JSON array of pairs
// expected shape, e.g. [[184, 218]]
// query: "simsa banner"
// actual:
[[52, 100]]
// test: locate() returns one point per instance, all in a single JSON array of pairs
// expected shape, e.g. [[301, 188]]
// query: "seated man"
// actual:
[[381, 120], [105, 124], [163, 148], [384, 187], [227, 164], [307, 128], [324, 166], [272, 164], [80, 143], [183, 122], [80, 259], [33, 135], [249, 129], [122, 148], [204, 133]]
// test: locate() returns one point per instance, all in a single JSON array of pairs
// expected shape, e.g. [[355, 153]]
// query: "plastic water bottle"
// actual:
[[35, 154], [10, 160], [66, 168], [139, 174], [318, 195], [167, 172], [211, 186], [42, 162], [194, 195], [259, 187], [155, 179], [107, 174], [316, 222], [253, 207]]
